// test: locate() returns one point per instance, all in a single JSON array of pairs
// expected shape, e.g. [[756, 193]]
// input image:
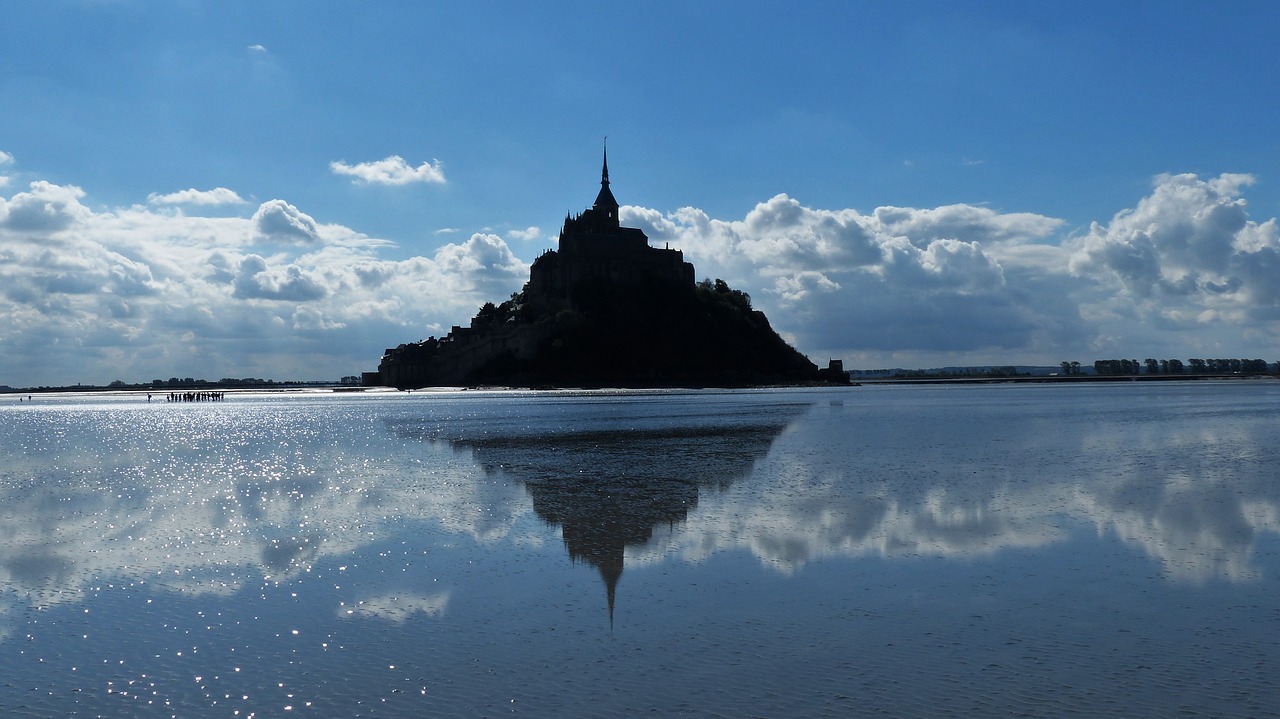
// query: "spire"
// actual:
[[605, 202], [604, 173]]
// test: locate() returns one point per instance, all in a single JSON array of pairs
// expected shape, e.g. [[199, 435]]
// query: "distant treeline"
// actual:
[[959, 372], [1175, 367]]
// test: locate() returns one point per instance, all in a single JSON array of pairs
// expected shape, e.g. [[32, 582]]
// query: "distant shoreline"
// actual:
[[201, 387], [861, 381], [1042, 379]]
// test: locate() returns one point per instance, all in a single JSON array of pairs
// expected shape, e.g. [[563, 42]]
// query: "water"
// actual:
[[950, 551]]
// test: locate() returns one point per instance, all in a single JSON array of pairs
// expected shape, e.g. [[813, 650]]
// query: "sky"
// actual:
[[284, 189]]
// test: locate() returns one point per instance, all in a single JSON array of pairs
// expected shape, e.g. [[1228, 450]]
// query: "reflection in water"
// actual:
[[608, 469], [963, 473], [195, 496], [608, 490], [208, 499], [394, 554]]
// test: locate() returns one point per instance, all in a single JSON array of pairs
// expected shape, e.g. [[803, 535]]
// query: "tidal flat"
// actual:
[[923, 551]]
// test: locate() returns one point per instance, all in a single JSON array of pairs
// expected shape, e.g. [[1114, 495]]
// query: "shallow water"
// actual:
[[953, 551]]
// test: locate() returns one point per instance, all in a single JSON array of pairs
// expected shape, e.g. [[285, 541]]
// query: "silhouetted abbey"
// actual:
[[605, 309]]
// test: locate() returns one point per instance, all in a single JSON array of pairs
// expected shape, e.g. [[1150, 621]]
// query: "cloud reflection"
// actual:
[[1196, 500], [210, 500]]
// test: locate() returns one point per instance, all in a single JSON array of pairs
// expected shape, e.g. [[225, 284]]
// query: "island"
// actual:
[[605, 309]]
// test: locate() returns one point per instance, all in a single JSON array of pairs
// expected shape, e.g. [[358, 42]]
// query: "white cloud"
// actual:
[[392, 170], [93, 295], [483, 262], [257, 48], [216, 196], [142, 292], [5, 158], [254, 279], [1187, 251], [46, 208], [277, 220], [526, 235], [839, 281]]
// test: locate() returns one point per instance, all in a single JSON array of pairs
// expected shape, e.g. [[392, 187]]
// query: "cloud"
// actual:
[[896, 279], [216, 196], [392, 170], [1187, 252], [278, 221], [5, 158], [46, 208], [255, 280], [526, 235], [95, 294], [257, 48], [483, 262], [142, 292]]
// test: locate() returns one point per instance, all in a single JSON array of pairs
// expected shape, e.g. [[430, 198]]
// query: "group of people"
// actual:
[[194, 397]]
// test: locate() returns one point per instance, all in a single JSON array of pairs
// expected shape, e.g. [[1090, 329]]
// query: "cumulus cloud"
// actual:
[[142, 292], [392, 170], [216, 196], [94, 294], [5, 159], [277, 220], [484, 261], [1186, 254], [46, 208], [256, 280], [896, 279]]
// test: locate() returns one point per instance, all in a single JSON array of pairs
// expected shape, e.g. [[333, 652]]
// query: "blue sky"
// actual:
[[283, 189]]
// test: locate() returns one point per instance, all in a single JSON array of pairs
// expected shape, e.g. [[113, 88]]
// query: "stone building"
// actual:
[[594, 246]]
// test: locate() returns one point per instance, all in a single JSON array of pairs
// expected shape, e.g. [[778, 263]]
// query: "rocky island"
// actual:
[[605, 310]]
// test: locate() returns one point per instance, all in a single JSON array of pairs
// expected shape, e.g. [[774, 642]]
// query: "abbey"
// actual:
[[604, 308], [594, 247]]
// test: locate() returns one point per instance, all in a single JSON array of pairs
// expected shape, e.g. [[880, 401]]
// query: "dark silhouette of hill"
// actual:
[[605, 309], [656, 334]]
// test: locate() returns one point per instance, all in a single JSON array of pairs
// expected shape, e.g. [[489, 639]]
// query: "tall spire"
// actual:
[[604, 173], [605, 203]]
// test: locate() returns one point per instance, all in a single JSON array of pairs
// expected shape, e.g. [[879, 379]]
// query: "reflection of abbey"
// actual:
[[609, 489], [604, 308]]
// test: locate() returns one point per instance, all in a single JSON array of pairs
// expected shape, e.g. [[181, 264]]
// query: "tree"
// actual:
[[488, 314], [1153, 367]]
